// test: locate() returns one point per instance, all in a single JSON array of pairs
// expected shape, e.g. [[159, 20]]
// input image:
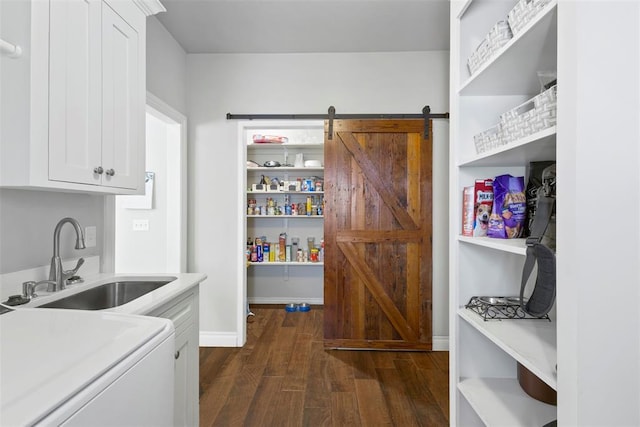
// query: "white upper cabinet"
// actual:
[[74, 91], [123, 100], [74, 116]]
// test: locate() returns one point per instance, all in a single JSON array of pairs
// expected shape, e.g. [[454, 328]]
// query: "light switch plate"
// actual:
[[90, 236], [140, 225]]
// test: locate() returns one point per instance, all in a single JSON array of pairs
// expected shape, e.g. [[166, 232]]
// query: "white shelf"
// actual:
[[514, 246], [533, 148], [281, 264], [287, 216], [531, 342], [502, 402], [513, 70], [285, 169], [271, 146]]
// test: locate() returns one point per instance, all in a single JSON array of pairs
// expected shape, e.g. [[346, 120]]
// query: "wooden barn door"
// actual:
[[377, 272]]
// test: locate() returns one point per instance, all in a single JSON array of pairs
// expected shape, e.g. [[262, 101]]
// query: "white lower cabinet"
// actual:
[[183, 311]]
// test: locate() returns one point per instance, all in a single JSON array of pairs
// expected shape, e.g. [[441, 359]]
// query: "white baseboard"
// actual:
[[230, 339], [440, 343], [218, 339], [280, 300]]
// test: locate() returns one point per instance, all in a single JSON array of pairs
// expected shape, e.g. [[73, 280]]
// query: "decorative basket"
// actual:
[[488, 139], [534, 115], [523, 12], [497, 37]]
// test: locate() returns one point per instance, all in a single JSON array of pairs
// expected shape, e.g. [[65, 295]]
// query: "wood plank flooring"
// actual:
[[283, 376]]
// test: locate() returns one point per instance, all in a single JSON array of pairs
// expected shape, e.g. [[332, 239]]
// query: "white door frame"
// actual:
[[166, 113]]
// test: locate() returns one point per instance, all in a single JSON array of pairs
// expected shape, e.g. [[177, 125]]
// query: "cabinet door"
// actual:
[[74, 91], [120, 101], [181, 371]]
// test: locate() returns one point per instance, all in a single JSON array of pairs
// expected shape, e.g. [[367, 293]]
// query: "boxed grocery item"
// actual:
[[477, 201], [467, 211], [482, 204], [510, 208]]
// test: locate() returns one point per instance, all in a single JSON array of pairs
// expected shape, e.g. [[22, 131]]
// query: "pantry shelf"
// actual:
[[515, 246], [284, 169], [285, 192], [287, 216], [281, 264], [286, 145], [502, 402], [531, 50], [532, 342], [539, 146]]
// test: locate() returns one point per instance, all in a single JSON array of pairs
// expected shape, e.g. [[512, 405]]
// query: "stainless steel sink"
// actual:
[[109, 295]]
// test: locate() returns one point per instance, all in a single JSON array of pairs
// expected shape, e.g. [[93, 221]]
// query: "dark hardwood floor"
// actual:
[[283, 376]]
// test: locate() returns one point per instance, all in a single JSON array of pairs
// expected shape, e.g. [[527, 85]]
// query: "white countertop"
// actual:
[[142, 305], [49, 355]]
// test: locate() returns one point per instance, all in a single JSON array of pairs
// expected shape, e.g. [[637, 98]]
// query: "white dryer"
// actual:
[[70, 367]]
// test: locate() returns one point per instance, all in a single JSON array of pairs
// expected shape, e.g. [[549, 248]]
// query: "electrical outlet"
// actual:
[[90, 236], [140, 225]]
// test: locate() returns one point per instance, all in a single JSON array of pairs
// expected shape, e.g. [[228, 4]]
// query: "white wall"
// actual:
[[27, 221], [166, 66], [295, 83], [146, 251], [598, 274]]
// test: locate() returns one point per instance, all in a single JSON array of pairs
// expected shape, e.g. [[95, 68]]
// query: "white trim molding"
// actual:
[[150, 7], [440, 343], [219, 339]]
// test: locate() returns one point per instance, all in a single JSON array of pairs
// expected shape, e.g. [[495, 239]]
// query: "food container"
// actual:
[[304, 307], [535, 387], [291, 307]]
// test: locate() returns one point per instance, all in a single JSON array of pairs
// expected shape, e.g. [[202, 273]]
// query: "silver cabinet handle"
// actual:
[[98, 170], [110, 172], [177, 355]]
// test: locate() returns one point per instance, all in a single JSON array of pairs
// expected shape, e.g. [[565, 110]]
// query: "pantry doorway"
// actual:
[[378, 235]]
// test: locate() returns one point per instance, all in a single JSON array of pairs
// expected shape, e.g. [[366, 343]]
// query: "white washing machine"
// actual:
[[79, 368]]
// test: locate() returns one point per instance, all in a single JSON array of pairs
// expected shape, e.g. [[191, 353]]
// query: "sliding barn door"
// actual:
[[377, 272]]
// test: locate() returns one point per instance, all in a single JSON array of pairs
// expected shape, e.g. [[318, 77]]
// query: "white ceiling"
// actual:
[[298, 26]]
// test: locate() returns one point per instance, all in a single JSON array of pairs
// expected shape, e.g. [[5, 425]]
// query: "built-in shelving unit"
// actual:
[[284, 281], [484, 354]]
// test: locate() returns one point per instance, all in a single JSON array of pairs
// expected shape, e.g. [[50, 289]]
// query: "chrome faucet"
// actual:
[[57, 275]]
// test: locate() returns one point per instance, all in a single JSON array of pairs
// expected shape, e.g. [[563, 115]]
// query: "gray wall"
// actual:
[[295, 83], [166, 66], [27, 221]]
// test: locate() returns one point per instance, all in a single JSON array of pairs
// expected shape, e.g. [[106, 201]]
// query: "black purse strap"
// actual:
[[544, 293]]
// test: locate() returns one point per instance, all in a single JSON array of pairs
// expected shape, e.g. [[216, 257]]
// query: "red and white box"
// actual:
[[468, 215], [482, 204]]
